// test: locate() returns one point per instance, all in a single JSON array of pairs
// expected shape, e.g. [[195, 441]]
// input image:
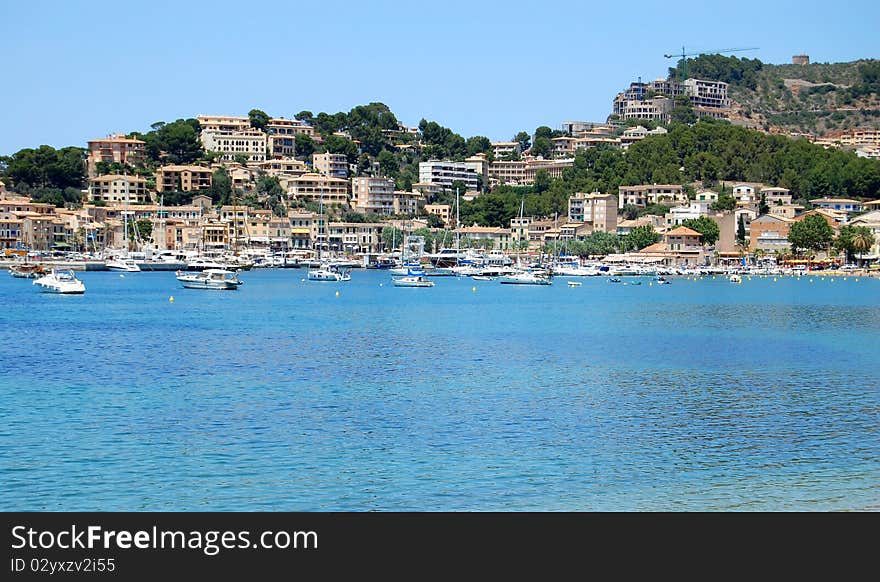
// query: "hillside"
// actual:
[[819, 98]]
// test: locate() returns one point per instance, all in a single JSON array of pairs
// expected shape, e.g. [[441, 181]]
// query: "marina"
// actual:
[[295, 396]]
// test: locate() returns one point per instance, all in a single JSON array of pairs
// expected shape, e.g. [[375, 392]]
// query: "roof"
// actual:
[[114, 177], [683, 231], [659, 247]]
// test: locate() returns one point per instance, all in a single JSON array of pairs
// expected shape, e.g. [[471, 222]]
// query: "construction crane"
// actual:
[[684, 56]]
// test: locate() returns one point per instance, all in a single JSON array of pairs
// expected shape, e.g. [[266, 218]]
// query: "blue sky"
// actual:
[[76, 70]]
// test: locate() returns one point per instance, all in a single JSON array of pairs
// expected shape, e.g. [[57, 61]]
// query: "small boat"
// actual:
[[482, 278], [525, 279], [614, 280], [327, 272], [574, 283], [61, 281], [663, 280], [220, 279], [735, 279], [27, 271], [127, 265], [417, 281], [634, 283]]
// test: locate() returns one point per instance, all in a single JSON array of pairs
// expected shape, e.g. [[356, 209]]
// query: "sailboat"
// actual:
[[325, 271], [523, 277]]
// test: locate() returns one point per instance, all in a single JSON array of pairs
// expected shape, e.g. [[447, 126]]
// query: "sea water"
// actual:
[[283, 395]]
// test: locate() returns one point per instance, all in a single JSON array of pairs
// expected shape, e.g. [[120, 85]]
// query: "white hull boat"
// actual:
[[417, 281], [219, 279], [64, 282], [126, 265]]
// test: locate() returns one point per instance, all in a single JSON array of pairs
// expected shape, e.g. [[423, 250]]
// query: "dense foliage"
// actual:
[[715, 67]]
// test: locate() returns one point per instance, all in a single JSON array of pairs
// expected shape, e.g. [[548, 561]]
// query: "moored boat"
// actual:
[[27, 271], [525, 278], [416, 281], [219, 279], [126, 265], [60, 281]]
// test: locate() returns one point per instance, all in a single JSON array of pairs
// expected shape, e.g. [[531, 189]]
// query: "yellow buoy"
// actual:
[[774, 279], [474, 289], [303, 280], [337, 293], [171, 299], [650, 284]]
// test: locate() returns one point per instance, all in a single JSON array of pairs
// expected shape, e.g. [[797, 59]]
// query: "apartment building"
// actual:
[[769, 233], [289, 127], [320, 188], [372, 194], [596, 209], [708, 94], [648, 194], [334, 165], [114, 148], [355, 237], [846, 205], [656, 108], [444, 211], [444, 173], [223, 123], [117, 188], [678, 214], [495, 237], [183, 178], [407, 202], [250, 143], [506, 148], [303, 228]]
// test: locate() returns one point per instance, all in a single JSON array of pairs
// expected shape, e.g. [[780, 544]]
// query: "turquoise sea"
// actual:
[[700, 395]]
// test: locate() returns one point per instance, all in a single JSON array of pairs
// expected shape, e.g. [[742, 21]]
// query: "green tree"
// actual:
[[763, 208], [388, 164], [221, 187], [854, 239], [543, 131], [259, 119], [46, 167], [305, 145], [708, 229], [543, 181], [641, 237], [478, 144], [725, 202], [142, 231], [682, 111], [812, 233], [336, 144], [524, 139], [741, 229], [174, 143], [542, 147]]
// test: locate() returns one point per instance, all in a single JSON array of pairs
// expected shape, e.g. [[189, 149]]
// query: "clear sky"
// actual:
[[74, 70]]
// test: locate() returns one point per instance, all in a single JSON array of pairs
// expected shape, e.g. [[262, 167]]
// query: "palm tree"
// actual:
[[862, 242]]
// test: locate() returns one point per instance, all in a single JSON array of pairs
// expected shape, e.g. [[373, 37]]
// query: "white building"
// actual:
[[444, 173]]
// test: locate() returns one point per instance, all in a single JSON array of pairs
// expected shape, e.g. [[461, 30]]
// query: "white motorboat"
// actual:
[[127, 265], [327, 272], [201, 264], [482, 278], [219, 279], [735, 279], [61, 281], [416, 281], [525, 278]]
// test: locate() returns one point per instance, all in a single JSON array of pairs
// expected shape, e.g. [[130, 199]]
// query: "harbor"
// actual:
[[293, 395]]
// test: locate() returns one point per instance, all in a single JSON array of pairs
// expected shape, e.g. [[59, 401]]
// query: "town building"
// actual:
[[250, 143], [118, 188], [776, 196], [648, 194], [444, 173], [678, 214], [503, 149], [441, 210], [846, 205], [372, 194], [488, 237], [597, 210], [114, 148], [175, 178], [769, 233], [333, 165], [355, 237], [319, 188]]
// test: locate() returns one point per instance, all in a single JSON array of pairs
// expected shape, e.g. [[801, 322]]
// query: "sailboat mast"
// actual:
[[457, 225]]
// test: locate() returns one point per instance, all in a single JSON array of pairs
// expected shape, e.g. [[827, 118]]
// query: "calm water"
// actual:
[[700, 395]]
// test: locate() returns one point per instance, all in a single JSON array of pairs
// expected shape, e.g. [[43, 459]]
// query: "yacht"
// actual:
[[524, 278], [328, 272], [60, 281], [210, 279], [202, 263], [413, 281], [127, 265]]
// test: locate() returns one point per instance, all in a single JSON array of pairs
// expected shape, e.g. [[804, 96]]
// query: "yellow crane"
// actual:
[[684, 56]]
